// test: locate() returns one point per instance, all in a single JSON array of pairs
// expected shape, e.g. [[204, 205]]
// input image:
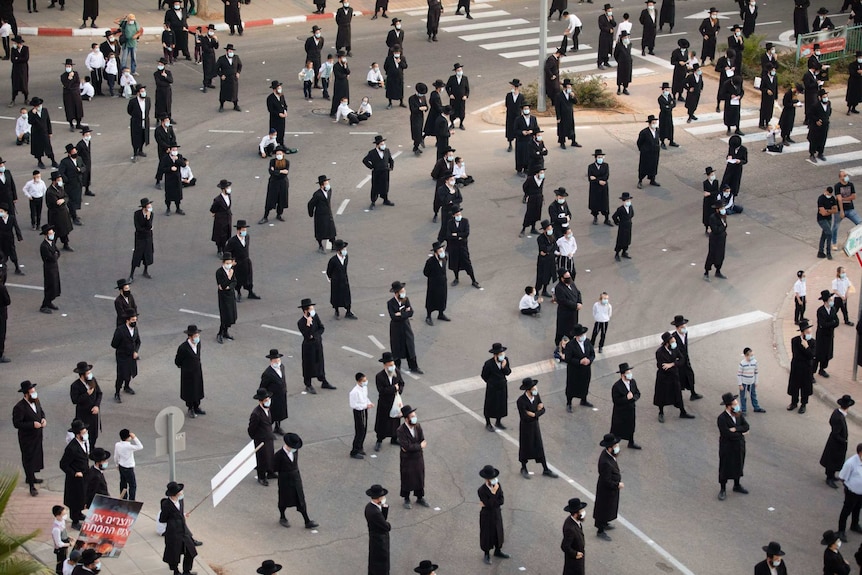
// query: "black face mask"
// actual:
[[133, 324], [567, 280], [127, 291], [73, 156]]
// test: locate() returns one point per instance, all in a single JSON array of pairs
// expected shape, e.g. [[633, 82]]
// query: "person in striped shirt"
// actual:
[[747, 377]]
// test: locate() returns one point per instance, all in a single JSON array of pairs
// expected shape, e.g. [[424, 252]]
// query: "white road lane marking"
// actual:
[[284, 329], [357, 352], [212, 315], [376, 342]]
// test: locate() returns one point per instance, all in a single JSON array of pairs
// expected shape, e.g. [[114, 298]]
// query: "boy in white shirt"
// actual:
[[625, 25], [124, 456], [95, 63], [59, 536], [459, 170], [530, 304], [799, 292], [840, 285], [22, 128], [34, 190], [72, 562], [602, 311], [747, 378], [345, 112], [365, 110], [87, 90], [127, 82], [360, 404], [111, 72], [186, 175], [324, 74], [573, 29], [268, 143], [374, 77], [6, 35]]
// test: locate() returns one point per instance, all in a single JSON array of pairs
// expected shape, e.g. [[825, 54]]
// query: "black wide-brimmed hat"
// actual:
[[241, 224], [224, 184], [695, 67], [425, 567], [122, 282], [268, 567], [579, 329], [273, 354], [396, 286], [609, 439], [26, 386], [376, 491], [292, 440], [438, 83], [651, 118], [665, 85], [607, 7], [626, 196], [407, 410], [173, 488], [457, 209], [69, 148], [497, 348], [773, 549], [162, 61], [456, 66], [163, 116], [825, 295], [99, 454], [515, 82], [321, 179], [89, 556], [191, 330], [598, 152], [315, 28], [275, 83], [708, 170], [69, 62], [225, 256], [679, 320], [803, 325], [574, 505], [386, 357], [844, 401], [341, 53], [82, 367], [718, 204], [339, 244], [145, 202], [86, 130], [437, 245], [823, 10], [378, 139], [624, 367], [35, 101], [306, 303], [261, 393], [130, 313], [829, 537], [624, 33], [545, 224], [211, 27], [395, 21], [683, 43], [229, 47], [727, 398], [77, 426], [489, 472], [528, 383], [421, 88], [561, 192], [666, 337]]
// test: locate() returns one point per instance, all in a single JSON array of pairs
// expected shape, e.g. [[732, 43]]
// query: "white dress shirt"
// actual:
[[124, 452], [359, 398]]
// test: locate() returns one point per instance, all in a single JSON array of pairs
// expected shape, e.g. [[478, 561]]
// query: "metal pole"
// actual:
[[172, 454], [543, 53], [858, 318]]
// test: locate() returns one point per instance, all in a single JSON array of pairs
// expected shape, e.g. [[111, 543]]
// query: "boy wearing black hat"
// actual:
[[209, 44], [530, 409], [376, 512], [94, 479], [276, 105], [573, 544], [164, 93], [178, 538], [143, 250], [774, 562], [260, 431], [9, 231], [339, 283], [379, 161], [188, 359], [312, 346], [732, 429], [89, 559], [490, 515], [126, 343], [72, 103], [50, 269], [827, 321], [418, 105], [717, 240], [124, 302], [72, 170], [240, 247], [228, 68], [622, 217], [411, 438], [74, 464]]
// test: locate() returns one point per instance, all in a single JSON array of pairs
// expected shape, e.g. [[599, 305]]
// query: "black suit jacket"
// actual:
[[124, 343], [94, 484], [375, 163], [260, 425], [762, 568], [120, 303]]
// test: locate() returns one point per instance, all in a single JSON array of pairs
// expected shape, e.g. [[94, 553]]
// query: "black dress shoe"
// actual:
[[377, 445], [219, 338], [310, 389], [278, 431], [417, 370], [549, 473], [443, 317], [421, 501], [284, 522], [129, 390], [199, 411], [856, 528], [197, 543], [822, 373], [525, 474], [695, 396], [117, 398], [311, 524], [33, 491], [686, 416], [831, 483], [263, 482], [499, 425], [76, 525], [740, 489], [722, 495], [38, 481], [791, 407], [626, 256], [486, 559], [586, 403], [192, 414], [604, 536], [490, 427], [569, 409], [327, 385], [633, 445], [801, 409], [617, 257], [357, 456], [499, 553]]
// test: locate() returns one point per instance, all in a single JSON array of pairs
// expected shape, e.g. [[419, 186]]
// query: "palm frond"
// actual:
[[14, 560]]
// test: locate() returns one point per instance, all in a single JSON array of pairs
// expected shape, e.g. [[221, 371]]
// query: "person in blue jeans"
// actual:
[[827, 206], [746, 376], [845, 193], [132, 31]]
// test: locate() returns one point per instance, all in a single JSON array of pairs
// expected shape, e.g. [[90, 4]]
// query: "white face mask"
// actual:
[[85, 436], [279, 156], [196, 339], [402, 294], [210, 33], [230, 54], [160, 67], [398, 26], [494, 481], [712, 177], [363, 383], [382, 147], [50, 237], [60, 183], [501, 357], [317, 34], [175, 153], [526, 112], [390, 368], [227, 191], [414, 420], [227, 266], [267, 403], [728, 73], [90, 376], [143, 94], [87, 138], [616, 449], [326, 187], [68, 69], [653, 125], [312, 313], [825, 100], [441, 254], [34, 395], [396, 55], [629, 375]]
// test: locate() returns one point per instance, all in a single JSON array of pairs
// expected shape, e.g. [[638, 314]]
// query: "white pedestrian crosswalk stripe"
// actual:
[[834, 159], [710, 116], [563, 60], [554, 44], [476, 16], [497, 35], [486, 25]]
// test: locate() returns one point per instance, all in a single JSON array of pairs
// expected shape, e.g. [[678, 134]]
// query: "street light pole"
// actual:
[[543, 53]]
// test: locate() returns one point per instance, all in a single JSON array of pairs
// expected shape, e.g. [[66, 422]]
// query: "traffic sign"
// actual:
[[854, 241]]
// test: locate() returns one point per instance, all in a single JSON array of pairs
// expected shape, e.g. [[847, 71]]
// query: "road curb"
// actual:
[[100, 31]]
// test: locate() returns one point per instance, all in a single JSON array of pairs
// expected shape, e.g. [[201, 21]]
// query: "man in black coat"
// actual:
[[139, 109], [127, 343], [565, 116], [228, 68], [94, 479], [490, 516], [768, 93], [803, 348], [260, 431], [222, 216], [124, 302], [5, 302], [709, 28], [401, 339], [515, 102], [649, 146], [811, 83], [666, 104], [86, 396], [239, 245], [9, 232], [568, 298], [536, 152], [494, 373], [188, 359], [40, 133], [686, 372], [313, 45], [667, 390], [57, 204], [389, 382], [648, 20], [435, 106], [443, 130], [166, 138], [273, 380], [209, 44], [28, 418], [818, 125], [312, 346], [50, 269], [774, 562], [143, 250], [72, 170], [457, 232], [411, 439], [339, 283], [530, 409], [435, 10], [835, 451], [177, 20], [379, 161], [74, 464], [693, 88], [226, 282], [340, 82], [20, 57], [458, 88], [573, 544], [598, 174], [164, 79], [290, 491], [607, 27], [732, 429], [552, 74], [827, 321], [579, 355], [608, 486], [179, 540], [622, 217], [418, 105], [320, 208], [624, 395], [376, 512], [276, 105], [343, 19]]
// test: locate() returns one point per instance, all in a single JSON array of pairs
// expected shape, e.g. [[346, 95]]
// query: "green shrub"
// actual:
[[590, 91]]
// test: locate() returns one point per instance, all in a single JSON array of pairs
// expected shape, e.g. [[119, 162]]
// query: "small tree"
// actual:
[[590, 91], [14, 560]]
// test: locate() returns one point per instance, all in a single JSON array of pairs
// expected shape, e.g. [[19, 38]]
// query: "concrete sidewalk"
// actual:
[[142, 553], [55, 22]]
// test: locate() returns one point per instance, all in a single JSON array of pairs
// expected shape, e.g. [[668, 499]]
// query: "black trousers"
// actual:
[[411, 362], [799, 309], [188, 562], [360, 428], [419, 493], [128, 481], [600, 328], [851, 507], [96, 75], [841, 305], [61, 555], [4, 317], [36, 212]]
